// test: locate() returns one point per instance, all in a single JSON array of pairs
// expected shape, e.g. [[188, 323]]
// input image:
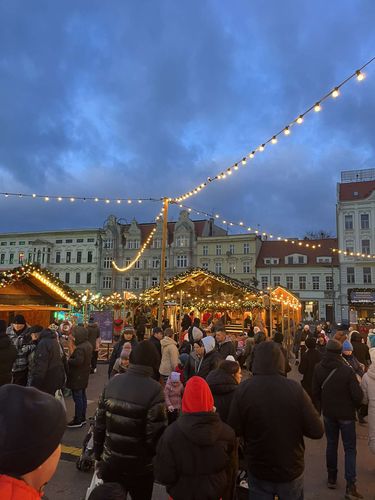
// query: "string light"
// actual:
[[317, 107], [72, 199]]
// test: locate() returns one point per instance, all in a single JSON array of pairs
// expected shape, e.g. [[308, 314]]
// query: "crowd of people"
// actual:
[[176, 410]]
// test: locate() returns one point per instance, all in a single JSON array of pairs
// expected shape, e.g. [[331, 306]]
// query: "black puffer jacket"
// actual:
[[80, 361], [131, 417], [93, 334], [342, 393], [308, 362], [8, 354], [210, 361], [226, 348], [48, 373], [223, 387], [196, 458], [273, 414], [360, 350]]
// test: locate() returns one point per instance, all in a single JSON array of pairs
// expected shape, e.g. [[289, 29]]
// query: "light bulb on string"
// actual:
[[317, 107], [299, 120], [261, 147], [360, 75], [335, 93], [287, 130], [274, 140]]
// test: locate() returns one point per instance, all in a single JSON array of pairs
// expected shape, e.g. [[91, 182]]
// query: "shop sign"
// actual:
[[362, 297]]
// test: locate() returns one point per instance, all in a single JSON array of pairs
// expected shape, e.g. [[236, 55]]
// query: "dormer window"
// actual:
[[324, 260], [271, 261]]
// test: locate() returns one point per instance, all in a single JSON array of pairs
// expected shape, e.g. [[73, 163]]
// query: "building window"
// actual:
[[68, 241], [107, 282], [108, 243], [348, 222], [11, 258], [350, 274], [3, 244], [302, 282], [58, 257], [90, 240], [136, 283], [127, 283], [88, 278], [30, 257], [79, 240], [365, 221], [137, 265], [79, 256], [289, 282], [264, 281], [67, 277], [218, 249], [218, 267], [301, 259], [205, 250], [290, 260], [182, 261], [68, 257], [246, 248], [107, 262], [58, 241], [205, 265], [156, 243], [366, 275], [366, 246], [2, 258], [232, 268], [154, 281], [231, 249], [276, 281], [247, 267], [12, 243], [329, 282], [78, 278], [182, 241], [315, 282], [21, 257], [89, 256], [324, 260], [349, 246], [57, 275], [22, 243], [155, 263]]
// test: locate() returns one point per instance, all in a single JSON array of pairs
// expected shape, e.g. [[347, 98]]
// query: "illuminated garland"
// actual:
[[286, 130], [74, 198], [44, 276], [108, 301], [138, 255]]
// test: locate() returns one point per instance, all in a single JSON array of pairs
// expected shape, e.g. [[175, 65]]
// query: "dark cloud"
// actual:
[[149, 98]]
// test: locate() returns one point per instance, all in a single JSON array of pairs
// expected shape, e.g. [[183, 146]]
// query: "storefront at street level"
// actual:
[[361, 305], [35, 293]]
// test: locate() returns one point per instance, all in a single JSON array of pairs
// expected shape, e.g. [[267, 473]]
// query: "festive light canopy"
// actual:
[[108, 301], [41, 276], [285, 297]]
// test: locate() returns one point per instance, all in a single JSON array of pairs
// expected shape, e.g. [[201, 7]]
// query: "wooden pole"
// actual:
[[270, 302], [180, 320], [164, 243], [289, 336]]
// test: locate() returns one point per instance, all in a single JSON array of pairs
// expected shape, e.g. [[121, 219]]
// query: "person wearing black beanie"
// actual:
[[131, 417], [278, 338], [309, 359], [8, 354], [30, 450]]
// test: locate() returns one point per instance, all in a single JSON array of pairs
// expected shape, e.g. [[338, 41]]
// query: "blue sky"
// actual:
[[148, 98]]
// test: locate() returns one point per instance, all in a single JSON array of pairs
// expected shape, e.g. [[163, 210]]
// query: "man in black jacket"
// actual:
[[79, 371], [128, 335], [273, 414], [337, 392], [225, 346], [47, 368], [156, 336], [131, 417]]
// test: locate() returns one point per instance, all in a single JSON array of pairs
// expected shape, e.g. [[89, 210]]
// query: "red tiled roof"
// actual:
[[363, 189], [147, 227], [280, 250]]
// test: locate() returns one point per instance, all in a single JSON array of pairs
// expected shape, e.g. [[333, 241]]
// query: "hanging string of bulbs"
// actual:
[[141, 250], [286, 131], [72, 199]]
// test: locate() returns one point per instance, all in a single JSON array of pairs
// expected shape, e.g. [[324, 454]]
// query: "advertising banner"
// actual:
[[105, 323]]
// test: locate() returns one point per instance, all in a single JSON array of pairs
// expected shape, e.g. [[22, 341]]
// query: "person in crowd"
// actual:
[[360, 349], [130, 419], [368, 388], [19, 334], [273, 414], [341, 336], [259, 337], [278, 338], [194, 331], [169, 354], [197, 455], [328, 328], [297, 342], [185, 323], [8, 354], [183, 367], [308, 362], [225, 346], [94, 339], [79, 371], [371, 340], [173, 392], [209, 357], [337, 393], [156, 337], [108, 491], [128, 335], [195, 359], [47, 372], [34, 332], [347, 354], [122, 363], [223, 382], [32, 424], [321, 343], [249, 345], [140, 325]]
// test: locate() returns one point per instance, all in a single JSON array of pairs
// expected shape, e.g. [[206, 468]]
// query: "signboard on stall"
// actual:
[[105, 323], [362, 297]]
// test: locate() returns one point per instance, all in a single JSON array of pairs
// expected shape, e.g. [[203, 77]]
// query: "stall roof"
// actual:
[[13, 282], [281, 294]]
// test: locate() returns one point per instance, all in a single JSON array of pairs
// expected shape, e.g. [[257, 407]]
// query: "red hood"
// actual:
[[197, 396], [14, 489]]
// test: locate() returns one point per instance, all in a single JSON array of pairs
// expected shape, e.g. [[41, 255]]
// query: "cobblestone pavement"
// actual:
[[71, 484]]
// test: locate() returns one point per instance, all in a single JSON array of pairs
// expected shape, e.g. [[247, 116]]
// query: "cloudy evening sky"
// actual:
[[148, 98]]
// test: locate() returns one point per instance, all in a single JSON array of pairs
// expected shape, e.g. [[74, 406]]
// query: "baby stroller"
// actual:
[[85, 462]]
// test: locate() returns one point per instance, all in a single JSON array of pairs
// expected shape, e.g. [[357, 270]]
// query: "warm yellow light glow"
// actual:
[[274, 140], [287, 131], [317, 107], [261, 147], [299, 120], [335, 93], [360, 75]]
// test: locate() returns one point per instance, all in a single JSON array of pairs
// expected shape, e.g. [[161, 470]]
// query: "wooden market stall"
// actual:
[[204, 292], [35, 293]]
